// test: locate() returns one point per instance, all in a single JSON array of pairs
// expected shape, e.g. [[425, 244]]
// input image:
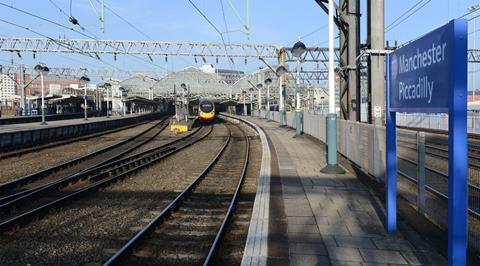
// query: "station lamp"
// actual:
[[42, 70], [268, 82], [85, 79], [298, 50]]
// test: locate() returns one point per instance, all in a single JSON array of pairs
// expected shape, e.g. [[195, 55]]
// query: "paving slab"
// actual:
[[334, 219]]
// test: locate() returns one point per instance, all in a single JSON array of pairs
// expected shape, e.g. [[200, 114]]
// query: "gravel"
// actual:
[[15, 167], [88, 229]]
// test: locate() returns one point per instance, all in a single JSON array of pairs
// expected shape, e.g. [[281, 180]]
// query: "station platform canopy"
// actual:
[[199, 83], [138, 85]]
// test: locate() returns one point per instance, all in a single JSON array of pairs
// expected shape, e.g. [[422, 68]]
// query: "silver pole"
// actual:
[[85, 102], [332, 167], [43, 100], [268, 102]]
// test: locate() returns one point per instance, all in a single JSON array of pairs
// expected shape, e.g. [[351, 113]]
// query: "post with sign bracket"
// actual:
[[429, 75]]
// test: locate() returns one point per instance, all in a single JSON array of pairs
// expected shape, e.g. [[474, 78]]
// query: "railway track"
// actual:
[[57, 193], [437, 131], [436, 182], [190, 229], [22, 151], [26, 184], [439, 148]]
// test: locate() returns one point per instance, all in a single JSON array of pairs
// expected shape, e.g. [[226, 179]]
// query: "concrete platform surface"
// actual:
[[320, 219], [36, 125]]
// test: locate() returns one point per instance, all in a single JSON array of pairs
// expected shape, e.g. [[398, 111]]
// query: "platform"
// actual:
[[27, 134], [56, 123], [318, 219]]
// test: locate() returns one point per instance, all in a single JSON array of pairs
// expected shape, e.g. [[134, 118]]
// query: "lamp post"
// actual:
[[259, 87], [42, 70], [281, 71], [123, 91], [184, 101], [86, 80], [251, 100], [107, 87], [244, 94], [268, 81], [298, 50], [332, 166]]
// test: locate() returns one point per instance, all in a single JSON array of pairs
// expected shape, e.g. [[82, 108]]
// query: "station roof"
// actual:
[[200, 83], [138, 81]]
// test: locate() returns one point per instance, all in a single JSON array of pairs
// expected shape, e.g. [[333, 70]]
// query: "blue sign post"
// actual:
[[429, 75]]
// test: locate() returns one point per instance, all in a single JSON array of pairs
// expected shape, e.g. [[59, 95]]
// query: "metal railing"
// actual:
[[433, 121]]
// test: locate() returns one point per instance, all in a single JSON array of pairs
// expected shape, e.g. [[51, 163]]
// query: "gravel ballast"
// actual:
[[14, 167], [87, 230]]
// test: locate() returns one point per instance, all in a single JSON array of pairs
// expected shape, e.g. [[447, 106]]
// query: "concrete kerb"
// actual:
[[256, 247]]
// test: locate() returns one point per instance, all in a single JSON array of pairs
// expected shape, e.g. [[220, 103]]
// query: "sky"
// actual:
[[272, 22]]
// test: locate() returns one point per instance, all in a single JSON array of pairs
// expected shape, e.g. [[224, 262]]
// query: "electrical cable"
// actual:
[[468, 13], [72, 29], [71, 16], [133, 26], [65, 45], [225, 21], [213, 25], [411, 14], [403, 14]]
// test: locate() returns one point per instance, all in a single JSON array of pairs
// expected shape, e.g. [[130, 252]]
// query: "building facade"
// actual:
[[8, 89]]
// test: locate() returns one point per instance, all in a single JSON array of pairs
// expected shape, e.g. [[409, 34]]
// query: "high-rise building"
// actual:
[[8, 88]]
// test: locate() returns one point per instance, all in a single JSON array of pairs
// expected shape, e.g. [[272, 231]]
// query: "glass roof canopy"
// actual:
[[202, 83]]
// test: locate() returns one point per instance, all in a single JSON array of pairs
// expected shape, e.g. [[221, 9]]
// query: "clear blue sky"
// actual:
[[276, 22]]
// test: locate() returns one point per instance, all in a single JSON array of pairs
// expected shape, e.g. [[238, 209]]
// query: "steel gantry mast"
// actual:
[[155, 48], [277, 53]]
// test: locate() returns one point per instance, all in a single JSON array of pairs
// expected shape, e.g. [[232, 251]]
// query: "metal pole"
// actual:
[[108, 114], [298, 111], [474, 65], [23, 89], [421, 171], [43, 101], [332, 167], [376, 67], [259, 102], [85, 102], [244, 105], [281, 103], [268, 102], [251, 103]]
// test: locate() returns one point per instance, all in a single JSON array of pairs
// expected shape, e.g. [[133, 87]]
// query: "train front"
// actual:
[[206, 110]]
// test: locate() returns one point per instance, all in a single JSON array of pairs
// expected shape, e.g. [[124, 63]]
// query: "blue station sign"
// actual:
[[430, 75], [420, 73]]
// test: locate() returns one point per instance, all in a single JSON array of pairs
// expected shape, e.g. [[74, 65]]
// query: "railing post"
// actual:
[[421, 171]]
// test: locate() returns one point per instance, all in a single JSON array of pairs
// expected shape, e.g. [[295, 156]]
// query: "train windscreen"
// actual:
[[206, 106]]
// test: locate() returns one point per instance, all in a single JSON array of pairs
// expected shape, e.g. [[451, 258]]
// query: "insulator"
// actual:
[[73, 20]]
